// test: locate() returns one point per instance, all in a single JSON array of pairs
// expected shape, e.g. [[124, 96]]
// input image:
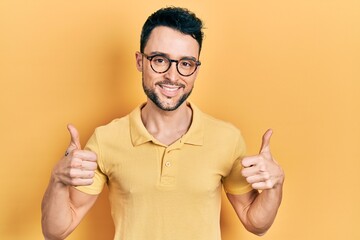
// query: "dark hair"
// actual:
[[180, 19]]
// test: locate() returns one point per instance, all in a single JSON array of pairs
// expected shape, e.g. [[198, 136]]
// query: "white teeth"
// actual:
[[173, 88]]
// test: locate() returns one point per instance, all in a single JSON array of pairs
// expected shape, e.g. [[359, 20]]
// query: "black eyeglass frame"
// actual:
[[197, 63]]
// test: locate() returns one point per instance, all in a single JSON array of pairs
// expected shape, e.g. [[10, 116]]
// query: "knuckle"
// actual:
[[74, 182], [75, 163], [72, 173], [262, 167], [88, 181], [248, 179], [269, 184], [76, 152], [266, 176], [255, 186], [91, 174], [94, 166], [243, 172]]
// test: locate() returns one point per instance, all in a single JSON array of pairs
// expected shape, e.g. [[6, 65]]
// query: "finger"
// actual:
[[80, 182], [265, 144], [249, 161], [75, 137], [86, 165], [257, 169], [83, 182], [249, 171], [79, 173], [85, 155], [77, 163], [263, 185], [258, 178]]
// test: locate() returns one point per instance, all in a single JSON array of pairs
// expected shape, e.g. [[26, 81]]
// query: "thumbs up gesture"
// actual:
[[262, 171], [77, 167]]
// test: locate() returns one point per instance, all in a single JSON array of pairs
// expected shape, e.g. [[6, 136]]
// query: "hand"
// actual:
[[262, 171], [77, 167]]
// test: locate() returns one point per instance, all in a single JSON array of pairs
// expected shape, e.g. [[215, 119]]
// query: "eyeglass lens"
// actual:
[[161, 64]]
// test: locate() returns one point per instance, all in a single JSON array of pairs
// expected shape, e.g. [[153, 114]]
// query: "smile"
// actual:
[[170, 90], [169, 87]]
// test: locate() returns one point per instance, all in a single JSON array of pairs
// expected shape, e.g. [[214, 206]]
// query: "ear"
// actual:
[[139, 61]]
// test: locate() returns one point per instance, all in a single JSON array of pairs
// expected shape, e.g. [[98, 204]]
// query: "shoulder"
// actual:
[[113, 131], [222, 135], [114, 125], [213, 127], [217, 133], [119, 125], [219, 127]]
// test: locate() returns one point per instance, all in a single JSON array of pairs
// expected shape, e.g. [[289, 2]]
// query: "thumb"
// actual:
[[75, 138], [265, 145]]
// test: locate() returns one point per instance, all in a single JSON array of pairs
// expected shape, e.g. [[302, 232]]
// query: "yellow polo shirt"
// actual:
[[161, 192]]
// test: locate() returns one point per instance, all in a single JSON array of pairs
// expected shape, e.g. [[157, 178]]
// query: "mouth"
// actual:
[[170, 90]]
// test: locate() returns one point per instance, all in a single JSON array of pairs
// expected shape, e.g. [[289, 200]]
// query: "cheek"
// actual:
[[190, 82], [149, 77]]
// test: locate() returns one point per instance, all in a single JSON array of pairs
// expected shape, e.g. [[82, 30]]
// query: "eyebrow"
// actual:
[[167, 55]]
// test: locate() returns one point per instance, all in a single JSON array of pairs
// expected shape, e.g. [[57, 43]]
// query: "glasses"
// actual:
[[161, 64]]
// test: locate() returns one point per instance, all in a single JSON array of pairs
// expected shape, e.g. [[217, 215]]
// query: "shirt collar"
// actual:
[[140, 135]]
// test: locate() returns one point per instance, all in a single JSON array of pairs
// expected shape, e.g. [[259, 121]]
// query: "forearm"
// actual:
[[63, 206], [57, 213], [262, 212], [255, 210]]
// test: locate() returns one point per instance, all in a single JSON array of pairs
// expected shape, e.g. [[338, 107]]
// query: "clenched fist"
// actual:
[[262, 171], [77, 167]]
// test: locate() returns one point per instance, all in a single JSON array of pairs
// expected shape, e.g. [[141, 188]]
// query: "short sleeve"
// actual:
[[100, 178], [234, 182]]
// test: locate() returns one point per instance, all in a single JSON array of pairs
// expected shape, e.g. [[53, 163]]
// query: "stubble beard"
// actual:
[[156, 100]]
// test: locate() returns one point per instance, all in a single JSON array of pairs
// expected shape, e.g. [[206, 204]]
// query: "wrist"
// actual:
[[56, 181]]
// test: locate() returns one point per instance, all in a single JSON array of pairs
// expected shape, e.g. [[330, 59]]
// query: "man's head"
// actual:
[[179, 19], [169, 58]]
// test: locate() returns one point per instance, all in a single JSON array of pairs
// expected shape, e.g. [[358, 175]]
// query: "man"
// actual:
[[166, 162]]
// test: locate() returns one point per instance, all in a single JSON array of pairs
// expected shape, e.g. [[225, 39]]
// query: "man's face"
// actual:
[[167, 90]]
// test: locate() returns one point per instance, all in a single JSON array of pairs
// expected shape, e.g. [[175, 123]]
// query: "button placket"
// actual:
[[168, 176], [167, 162]]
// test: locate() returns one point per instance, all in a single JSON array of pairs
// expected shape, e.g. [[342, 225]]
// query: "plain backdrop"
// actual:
[[293, 66]]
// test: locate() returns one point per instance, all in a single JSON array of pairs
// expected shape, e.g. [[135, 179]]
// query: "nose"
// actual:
[[172, 73]]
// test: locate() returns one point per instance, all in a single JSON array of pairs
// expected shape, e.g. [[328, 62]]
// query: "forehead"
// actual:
[[172, 42]]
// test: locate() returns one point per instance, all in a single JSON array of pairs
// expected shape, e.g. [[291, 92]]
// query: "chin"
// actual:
[[168, 104], [168, 107]]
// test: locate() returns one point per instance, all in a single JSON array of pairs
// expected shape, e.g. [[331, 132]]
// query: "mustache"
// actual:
[[169, 82]]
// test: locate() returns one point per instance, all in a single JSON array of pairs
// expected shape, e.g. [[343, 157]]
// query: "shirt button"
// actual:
[[167, 164]]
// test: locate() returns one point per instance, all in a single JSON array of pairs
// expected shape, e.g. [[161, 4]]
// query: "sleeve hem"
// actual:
[[86, 190], [239, 191]]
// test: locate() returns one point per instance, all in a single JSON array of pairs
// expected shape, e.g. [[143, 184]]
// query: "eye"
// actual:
[[187, 63], [160, 60]]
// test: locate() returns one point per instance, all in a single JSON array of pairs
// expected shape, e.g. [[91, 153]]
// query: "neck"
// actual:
[[166, 126]]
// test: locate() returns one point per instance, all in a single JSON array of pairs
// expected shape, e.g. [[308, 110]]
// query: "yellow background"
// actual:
[[293, 66]]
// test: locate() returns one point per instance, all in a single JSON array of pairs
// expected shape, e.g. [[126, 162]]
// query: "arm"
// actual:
[[257, 209], [63, 206]]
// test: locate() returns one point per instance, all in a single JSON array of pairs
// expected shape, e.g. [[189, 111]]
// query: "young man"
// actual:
[[166, 162]]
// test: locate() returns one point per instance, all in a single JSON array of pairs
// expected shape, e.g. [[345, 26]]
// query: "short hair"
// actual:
[[180, 19]]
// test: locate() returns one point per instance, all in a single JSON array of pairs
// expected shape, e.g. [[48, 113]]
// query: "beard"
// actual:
[[162, 105]]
